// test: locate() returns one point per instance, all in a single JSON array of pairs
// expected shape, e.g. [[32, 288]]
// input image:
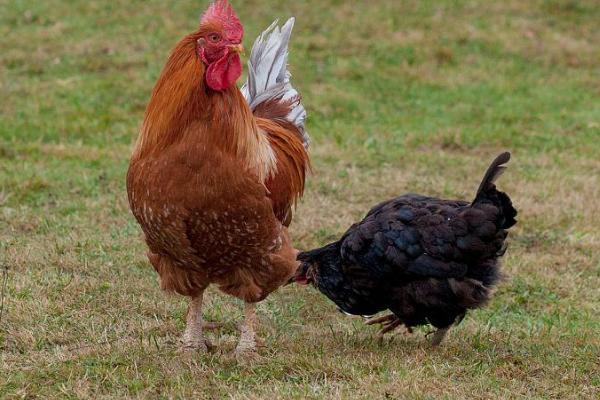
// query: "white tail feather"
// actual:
[[268, 77]]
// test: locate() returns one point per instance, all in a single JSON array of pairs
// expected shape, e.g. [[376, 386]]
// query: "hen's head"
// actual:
[[305, 274], [313, 262], [219, 45]]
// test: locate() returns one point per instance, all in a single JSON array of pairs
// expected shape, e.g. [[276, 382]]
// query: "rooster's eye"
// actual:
[[214, 37]]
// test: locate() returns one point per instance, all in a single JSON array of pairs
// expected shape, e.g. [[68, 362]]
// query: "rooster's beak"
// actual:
[[237, 48]]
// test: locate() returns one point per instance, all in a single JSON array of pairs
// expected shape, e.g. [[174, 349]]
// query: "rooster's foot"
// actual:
[[201, 345], [246, 350]]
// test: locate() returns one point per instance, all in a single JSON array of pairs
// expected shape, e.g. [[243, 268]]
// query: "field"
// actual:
[[403, 96]]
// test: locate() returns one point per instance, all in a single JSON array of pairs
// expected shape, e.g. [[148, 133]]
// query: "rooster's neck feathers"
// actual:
[[171, 107], [182, 107]]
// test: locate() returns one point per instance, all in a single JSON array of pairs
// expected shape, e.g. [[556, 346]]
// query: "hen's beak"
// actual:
[[237, 48], [300, 276]]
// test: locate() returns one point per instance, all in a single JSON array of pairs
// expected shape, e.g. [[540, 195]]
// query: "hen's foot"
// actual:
[[438, 336], [388, 323]]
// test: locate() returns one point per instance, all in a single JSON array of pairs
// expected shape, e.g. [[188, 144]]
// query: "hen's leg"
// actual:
[[438, 336], [247, 344], [192, 336]]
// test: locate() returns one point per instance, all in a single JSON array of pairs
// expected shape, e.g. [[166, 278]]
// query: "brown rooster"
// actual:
[[216, 170]]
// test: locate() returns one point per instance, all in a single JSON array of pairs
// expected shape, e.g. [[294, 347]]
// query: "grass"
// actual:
[[403, 96]]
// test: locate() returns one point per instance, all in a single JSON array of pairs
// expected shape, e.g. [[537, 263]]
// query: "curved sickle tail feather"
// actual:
[[487, 191], [269, 90], [494, 171]]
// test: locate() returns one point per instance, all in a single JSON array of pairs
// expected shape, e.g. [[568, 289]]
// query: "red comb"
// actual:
[[220, 12]]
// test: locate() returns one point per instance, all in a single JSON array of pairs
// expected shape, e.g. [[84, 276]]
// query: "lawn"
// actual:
[[402, 96]]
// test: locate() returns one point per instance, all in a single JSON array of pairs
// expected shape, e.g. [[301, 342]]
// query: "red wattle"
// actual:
[[223, 73]]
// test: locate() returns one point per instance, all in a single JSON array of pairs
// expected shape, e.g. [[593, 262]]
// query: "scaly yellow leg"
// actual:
[[193, 339], [247, 344]]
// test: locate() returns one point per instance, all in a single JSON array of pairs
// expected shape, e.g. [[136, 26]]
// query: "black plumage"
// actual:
[[425, 259]]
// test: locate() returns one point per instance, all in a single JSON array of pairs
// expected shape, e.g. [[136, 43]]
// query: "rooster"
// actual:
[[216, 170], [426, 260]]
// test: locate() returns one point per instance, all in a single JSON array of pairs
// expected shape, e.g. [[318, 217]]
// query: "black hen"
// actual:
[[425, 259]]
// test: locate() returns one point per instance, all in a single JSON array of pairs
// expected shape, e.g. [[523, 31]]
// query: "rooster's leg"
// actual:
[[192, 336], [247, 344]]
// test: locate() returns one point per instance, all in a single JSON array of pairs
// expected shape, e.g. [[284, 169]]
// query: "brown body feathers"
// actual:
[[212, 185]]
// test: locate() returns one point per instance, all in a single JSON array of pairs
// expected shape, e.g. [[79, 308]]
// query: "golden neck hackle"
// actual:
[[182, 108]]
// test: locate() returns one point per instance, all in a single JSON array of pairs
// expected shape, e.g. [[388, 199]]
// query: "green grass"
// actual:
[[403, 96]]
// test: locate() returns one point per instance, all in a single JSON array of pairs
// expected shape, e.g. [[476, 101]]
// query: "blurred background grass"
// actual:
[[402, 96]]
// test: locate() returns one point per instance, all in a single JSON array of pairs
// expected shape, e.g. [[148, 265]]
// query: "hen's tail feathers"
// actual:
[[494, 171], [487, 191], [268, 90]]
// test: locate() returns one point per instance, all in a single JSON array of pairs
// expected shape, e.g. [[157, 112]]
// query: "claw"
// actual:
[[388, 323], [381, 320], [390, 327]]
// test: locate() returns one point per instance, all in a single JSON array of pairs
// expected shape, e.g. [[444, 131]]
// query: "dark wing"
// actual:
[[409, 236]]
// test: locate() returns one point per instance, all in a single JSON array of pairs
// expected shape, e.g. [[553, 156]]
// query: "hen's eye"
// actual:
[[214, 37]]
